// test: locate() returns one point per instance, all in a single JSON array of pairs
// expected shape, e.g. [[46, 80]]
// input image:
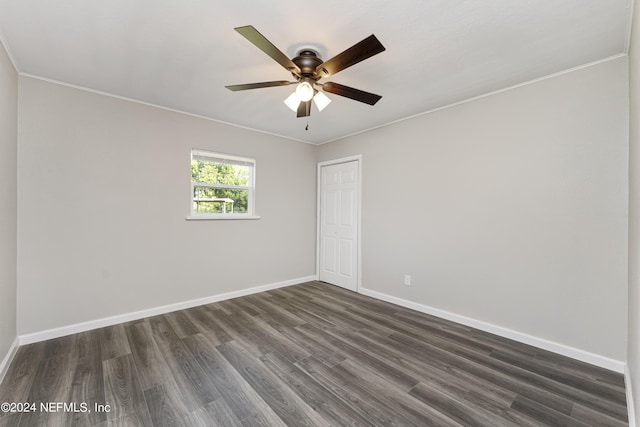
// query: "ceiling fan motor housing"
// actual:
[[307, 60]]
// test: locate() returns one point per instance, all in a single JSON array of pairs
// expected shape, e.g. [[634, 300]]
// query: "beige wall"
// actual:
[[633, 363], [8, 201], [104, 192], [510, 209]]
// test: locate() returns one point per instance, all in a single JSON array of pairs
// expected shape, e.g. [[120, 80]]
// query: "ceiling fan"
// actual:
[[307, 69]]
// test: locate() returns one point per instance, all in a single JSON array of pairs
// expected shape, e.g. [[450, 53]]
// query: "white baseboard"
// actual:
[[630, 402], [574, 353], [127, 317], [4, 365]]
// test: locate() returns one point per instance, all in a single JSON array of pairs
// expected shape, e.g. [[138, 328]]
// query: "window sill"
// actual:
[[221, 217]]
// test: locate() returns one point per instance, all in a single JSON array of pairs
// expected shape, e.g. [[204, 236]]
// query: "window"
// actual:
[[222, 186]]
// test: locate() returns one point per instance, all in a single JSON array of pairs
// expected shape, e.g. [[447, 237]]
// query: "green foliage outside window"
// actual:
[[208, 172]]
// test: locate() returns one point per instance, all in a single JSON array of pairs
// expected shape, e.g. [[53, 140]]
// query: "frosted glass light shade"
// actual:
[[304, 91], [321, 100], [293, 101]]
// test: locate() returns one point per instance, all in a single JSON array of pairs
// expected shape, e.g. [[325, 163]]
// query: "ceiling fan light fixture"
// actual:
[[308, 67], [321, 100], [292, 101], [304, 90]]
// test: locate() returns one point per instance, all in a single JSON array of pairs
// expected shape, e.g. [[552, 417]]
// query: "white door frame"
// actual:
[[357, 158]]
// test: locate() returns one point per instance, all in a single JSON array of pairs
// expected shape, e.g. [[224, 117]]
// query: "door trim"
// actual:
[[356, 158]]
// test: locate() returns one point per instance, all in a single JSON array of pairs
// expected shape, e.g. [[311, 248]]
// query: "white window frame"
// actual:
[[221, 157]]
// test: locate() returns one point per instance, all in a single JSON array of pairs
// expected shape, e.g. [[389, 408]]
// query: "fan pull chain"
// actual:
[[307, 127]]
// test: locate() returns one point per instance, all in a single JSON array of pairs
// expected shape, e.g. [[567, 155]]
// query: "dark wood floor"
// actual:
[[310, 354]]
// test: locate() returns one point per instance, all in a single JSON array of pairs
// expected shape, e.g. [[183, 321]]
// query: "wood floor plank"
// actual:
[[301, 308], [234, 327], [59, 347], [295, 291], [567, 364], [181, 324], [308, 354], [612, 381], [347, 316], [379, 406], [152, 370], [193, 383], [225, 307], [220, 415], [547, 370], [388, 371], [203, 319], [280, 343], [289, 407], [436, 335], [321, 290], [87, 384], [596, 373], [247, 306], [314, 345], [338, 315], [198, 418], [550, 387], [433, 363], [258, 421], [134, 419], [277, 315], [238, 394], [447, 361], [543, 414], [445, 331], [161, 408], [20, 377], [10, 419], [333, 409], [241, 398], [420, 412], [364, 407], [123, 392], [473, 409], [595, 418], [53, 383], [113, 341], [449, 378]]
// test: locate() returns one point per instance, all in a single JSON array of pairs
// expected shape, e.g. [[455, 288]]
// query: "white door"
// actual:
[[338, 263]]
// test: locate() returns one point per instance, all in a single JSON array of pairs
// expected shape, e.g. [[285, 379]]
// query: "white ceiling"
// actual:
[[180, 54]]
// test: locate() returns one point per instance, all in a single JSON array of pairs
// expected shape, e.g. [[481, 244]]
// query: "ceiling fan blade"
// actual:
[[267, 47], [356, 53], [349, 92], [259, 85], [304, 109]]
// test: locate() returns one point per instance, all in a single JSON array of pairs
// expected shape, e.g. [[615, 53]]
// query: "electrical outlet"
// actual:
[[407, 280]]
